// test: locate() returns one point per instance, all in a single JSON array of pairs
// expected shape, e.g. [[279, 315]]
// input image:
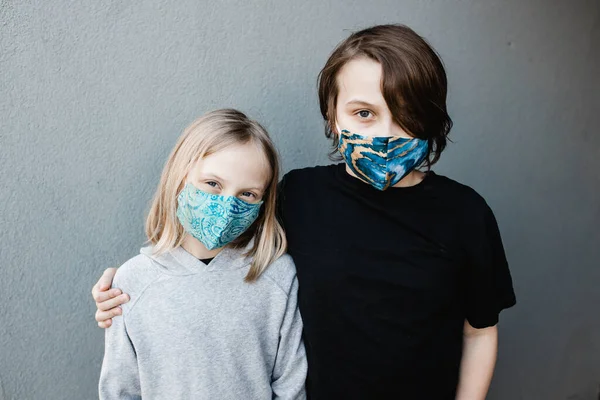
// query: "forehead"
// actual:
[[241, 165], [360, 79]]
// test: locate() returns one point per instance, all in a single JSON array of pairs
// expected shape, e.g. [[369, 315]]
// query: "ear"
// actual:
[[332, 129]]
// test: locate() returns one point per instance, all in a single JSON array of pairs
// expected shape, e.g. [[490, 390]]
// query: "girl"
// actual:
[[212, 311], [402, 271]]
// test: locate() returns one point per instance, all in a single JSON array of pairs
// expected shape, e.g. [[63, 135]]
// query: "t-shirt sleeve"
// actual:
[[489, 287]]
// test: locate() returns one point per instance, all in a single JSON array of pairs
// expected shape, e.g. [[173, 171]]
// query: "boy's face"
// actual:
[[360, 106]]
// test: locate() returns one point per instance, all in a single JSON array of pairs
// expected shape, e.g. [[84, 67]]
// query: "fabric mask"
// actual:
[[213, 219], [381, 161]]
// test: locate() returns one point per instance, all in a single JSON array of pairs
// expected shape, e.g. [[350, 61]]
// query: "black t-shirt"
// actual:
[[387, 279]]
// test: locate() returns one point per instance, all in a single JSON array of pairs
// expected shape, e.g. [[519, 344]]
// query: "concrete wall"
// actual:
[[93, 95]]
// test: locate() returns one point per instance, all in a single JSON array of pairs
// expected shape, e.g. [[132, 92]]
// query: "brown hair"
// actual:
[[413, 83], [209, 134]]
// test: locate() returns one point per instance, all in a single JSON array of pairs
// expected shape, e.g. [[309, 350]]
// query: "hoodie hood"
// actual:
[[179, 262]]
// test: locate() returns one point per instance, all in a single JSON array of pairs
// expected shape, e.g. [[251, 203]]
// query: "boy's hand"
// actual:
[[107, 300]]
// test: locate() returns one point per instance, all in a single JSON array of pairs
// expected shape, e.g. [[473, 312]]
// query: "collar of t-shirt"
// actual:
[[362, 187]]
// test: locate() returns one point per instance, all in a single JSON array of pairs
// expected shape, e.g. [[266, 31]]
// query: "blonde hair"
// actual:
[[207, 135]]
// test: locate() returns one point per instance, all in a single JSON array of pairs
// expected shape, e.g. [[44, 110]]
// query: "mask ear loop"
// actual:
[[338, 134], [331, 131], [339, 130], [335, 154]]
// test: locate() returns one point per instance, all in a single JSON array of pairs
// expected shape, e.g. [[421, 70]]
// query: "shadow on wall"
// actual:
[[2, 394]]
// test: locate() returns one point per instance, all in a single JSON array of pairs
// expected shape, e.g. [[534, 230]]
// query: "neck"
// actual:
[[197, 249], [413, 178]]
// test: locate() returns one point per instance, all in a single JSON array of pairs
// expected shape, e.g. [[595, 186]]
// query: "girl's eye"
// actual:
[[212, 184], [249, 195], [364, 114]]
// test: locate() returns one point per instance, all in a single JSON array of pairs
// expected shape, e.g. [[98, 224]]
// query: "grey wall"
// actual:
[[93, 95]]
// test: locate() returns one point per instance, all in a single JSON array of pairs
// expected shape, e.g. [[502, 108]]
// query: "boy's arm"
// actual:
[[289, 374], [480, 347], [119, 378], [107, 300]]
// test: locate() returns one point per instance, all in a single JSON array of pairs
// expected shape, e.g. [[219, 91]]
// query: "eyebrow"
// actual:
[[360, 103]]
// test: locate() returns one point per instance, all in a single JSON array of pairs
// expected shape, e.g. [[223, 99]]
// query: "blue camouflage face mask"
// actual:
[[381, 161], [213, 219]]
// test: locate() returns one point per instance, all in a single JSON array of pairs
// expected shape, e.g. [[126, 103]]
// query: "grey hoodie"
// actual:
[[196, 331]]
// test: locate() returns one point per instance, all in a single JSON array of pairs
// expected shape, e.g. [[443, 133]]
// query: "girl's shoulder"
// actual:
[[134, 276], [282, 272], [135, 270]]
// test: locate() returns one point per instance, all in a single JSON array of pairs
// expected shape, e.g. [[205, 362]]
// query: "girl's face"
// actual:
[[360, 106], [239, 170]]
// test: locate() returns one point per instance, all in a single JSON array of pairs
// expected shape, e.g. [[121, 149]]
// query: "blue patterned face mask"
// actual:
[[381, 161], [213, 219]]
